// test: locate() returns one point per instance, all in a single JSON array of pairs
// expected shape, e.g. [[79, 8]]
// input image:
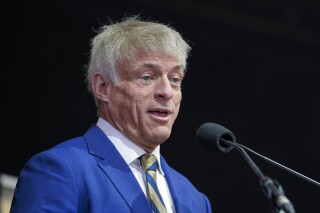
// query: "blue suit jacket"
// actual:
[[87, 174]]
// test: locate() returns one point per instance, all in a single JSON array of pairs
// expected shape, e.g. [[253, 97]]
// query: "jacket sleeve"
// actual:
[[45, 184]]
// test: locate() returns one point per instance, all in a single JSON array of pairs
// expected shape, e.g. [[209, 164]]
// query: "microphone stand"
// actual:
[[280, 165], [271, 188]]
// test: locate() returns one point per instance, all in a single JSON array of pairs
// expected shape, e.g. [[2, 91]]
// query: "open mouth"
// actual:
[[160, 112]]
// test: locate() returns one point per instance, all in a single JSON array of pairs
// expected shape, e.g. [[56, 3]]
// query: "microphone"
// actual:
[[211, 137], [214, 137]]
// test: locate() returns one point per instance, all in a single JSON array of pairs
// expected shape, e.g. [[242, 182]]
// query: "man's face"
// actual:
[[146, 103]]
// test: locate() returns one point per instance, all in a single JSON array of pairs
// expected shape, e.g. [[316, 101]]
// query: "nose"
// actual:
[[164, 88]]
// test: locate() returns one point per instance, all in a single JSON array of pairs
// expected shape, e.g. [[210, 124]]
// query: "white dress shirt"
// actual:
[[131, 153]]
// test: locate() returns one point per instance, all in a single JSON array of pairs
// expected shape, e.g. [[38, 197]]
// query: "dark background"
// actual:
[[254, 68]]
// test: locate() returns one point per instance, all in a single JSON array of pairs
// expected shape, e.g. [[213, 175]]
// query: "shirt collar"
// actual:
[[127, 148]]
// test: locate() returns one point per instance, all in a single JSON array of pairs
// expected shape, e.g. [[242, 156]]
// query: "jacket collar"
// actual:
[[116, 169], [119, 172], [177, 188]]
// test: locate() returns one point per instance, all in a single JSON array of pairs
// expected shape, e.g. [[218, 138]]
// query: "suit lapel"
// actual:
[[177, 190], [117, 170]]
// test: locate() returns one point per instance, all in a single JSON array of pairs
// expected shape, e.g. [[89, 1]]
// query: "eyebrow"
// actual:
[[151, 65]]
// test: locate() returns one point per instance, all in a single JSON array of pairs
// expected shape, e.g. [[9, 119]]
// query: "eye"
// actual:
[[176, 80], [146, 78]]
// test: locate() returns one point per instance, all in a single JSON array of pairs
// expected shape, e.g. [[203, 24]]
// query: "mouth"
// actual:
[[160, 112]]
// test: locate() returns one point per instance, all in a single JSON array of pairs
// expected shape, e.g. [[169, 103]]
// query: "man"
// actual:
[[135, 75]]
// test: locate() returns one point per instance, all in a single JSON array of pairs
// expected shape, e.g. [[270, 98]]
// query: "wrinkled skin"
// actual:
[[146, 102]]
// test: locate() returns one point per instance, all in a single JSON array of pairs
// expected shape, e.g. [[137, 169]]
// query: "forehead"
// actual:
[[152, 62]]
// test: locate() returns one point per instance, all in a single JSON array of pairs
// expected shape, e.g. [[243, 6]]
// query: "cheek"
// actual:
[[122, 102], [131, 104], [177, 99]]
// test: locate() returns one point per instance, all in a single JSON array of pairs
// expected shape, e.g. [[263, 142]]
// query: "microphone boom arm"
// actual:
[[254, 167], [272, 189], [276, 163]]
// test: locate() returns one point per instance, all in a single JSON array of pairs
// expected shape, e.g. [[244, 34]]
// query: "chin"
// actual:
[[155, 132], [161, 136]]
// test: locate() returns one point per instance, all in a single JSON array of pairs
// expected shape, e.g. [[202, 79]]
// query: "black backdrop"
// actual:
[[254, 68]]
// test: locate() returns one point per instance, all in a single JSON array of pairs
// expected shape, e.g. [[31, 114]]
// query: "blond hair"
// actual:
[[120, 41]]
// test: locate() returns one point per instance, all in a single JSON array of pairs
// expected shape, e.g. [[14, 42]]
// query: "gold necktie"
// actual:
[[150, 165]]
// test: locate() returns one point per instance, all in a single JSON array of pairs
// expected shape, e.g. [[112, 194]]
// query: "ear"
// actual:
[[100, 85]]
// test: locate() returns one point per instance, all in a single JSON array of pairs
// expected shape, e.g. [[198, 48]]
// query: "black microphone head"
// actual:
[[209, 135]]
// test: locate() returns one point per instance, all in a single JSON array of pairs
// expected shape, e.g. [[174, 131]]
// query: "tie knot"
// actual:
[[149, 162]]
